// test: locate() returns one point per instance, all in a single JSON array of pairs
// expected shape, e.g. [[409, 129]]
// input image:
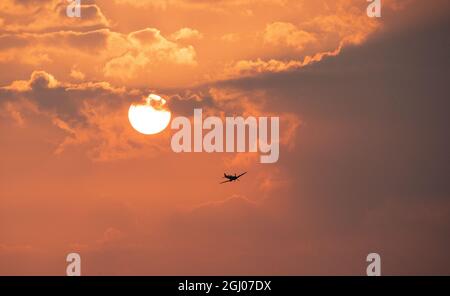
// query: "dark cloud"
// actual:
[[379, 109], [65, 100], [374, 138]]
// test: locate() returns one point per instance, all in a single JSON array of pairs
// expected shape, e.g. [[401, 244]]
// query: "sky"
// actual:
[[363, 167]]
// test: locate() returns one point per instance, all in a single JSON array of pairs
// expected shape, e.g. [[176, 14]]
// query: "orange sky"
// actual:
[[364, 148]]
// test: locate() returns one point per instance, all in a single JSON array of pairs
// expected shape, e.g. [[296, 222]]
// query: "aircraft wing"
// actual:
[[241, 175], [226, 181]]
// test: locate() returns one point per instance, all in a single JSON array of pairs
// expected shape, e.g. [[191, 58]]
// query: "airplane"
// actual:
[[232, 178]]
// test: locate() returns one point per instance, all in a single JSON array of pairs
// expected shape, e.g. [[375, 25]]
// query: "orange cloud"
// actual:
[[287, 34], [186, 33], [245, 68], [148, 54], [47, 16], [90, 114], [162, 56]]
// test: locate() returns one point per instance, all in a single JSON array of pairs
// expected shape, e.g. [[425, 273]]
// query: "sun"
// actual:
[[150, 117]]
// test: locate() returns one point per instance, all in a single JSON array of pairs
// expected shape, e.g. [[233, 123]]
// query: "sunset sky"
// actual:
[[364, 160]]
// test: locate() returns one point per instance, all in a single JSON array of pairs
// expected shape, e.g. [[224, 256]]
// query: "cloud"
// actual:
[[43, 48], [246, 68], [362, 166], [148, 57], [14, 113], [185, 34], [158, 4], [287, 34], [219, 5], [323, 35], [49, 16], [149, 53], [92, 115], [163, 56], [89, 113], [76, 74]]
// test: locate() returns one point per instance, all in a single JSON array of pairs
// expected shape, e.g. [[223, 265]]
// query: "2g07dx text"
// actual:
[[238, 286]]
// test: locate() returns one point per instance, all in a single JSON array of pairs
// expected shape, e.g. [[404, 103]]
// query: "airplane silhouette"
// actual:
[[232, 178]]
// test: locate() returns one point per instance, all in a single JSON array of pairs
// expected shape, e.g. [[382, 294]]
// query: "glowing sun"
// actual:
[[150, 117]]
